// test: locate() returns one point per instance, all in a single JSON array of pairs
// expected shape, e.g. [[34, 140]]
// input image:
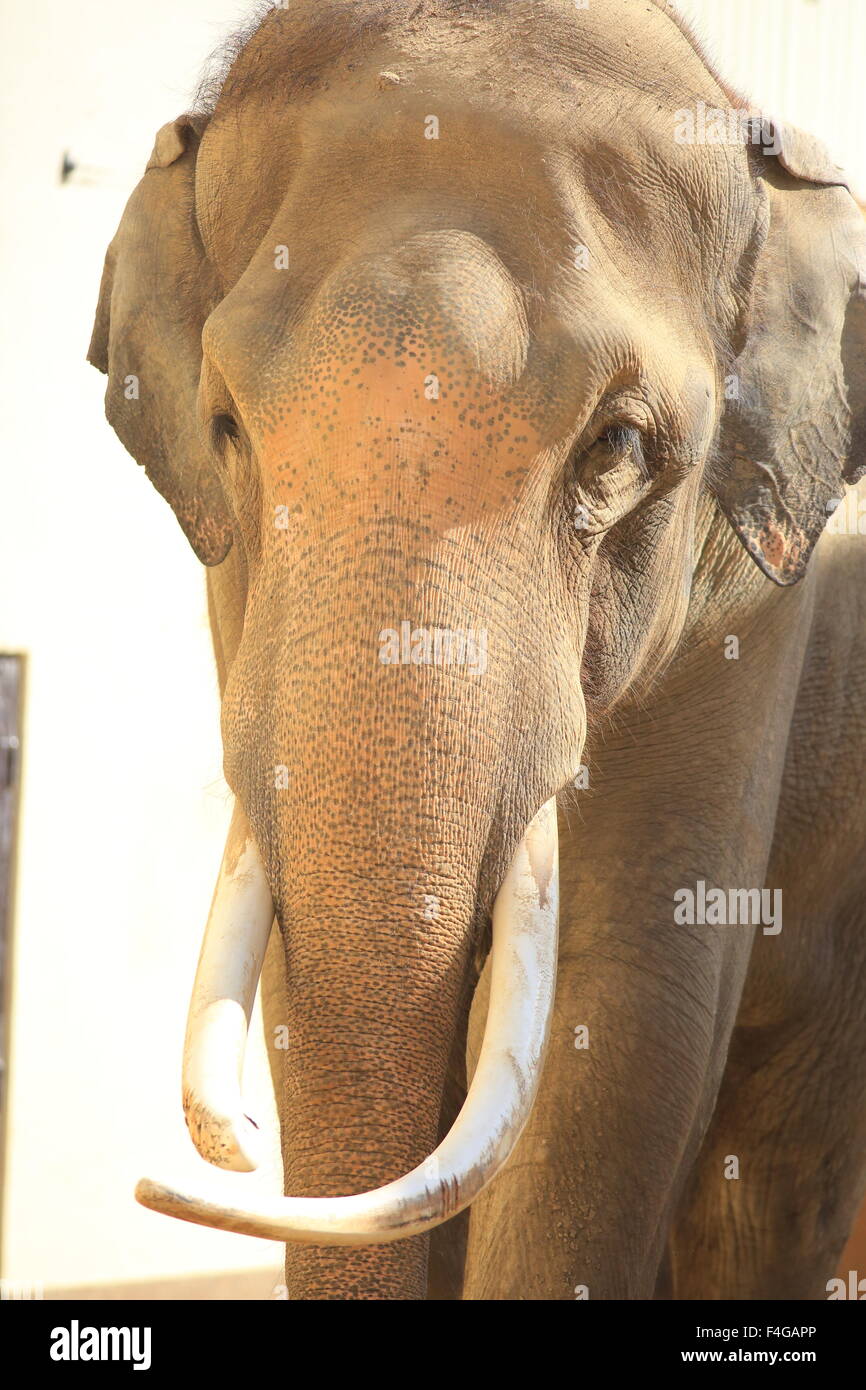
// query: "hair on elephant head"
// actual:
[[452, 358]]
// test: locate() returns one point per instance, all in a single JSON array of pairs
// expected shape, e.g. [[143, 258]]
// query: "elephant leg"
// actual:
[[643, 1016], [792, 1107], [645, 1008], [776, 1189], [582, 1208]]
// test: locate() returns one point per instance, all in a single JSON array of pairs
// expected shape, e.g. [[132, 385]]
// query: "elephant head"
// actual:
[[427, 312]]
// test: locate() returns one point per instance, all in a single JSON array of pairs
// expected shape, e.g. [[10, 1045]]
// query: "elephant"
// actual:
[[504, 369]]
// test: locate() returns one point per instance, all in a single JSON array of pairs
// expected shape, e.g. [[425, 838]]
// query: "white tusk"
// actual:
[[523, 977], [234, 945]]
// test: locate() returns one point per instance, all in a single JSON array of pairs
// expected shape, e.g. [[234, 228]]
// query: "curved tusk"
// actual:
[[523, 977], [232, 952]]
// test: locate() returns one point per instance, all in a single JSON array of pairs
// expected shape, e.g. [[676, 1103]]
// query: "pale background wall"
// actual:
[[802, 60], [124, 808]]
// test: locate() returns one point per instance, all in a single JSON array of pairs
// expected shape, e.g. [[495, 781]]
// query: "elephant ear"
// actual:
[[797, 431], [157, 289]]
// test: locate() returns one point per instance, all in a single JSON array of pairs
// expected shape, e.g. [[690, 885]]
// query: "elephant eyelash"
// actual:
[[623, 441]]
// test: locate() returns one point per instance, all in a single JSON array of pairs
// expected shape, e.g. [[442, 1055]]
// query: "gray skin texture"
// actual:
[[568, 380]]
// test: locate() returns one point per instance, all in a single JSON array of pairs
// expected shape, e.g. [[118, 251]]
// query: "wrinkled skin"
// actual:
[[287, 414]]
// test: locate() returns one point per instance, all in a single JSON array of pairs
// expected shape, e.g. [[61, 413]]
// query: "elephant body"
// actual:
[[744, 771], [443, 334], [621, 1184]]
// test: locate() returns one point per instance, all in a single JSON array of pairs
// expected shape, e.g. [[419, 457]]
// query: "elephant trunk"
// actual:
[[389, 727], [401, 807]]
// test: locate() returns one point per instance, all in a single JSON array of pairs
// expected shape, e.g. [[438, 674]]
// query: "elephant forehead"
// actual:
[[323, 48], [415, 361], [407, 409], [446, 294], [333, 111], [401, 431], [415, 321]]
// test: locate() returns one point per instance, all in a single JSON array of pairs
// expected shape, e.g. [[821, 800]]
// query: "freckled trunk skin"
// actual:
[[374, 998], [375, 851], [370, 1031], [379, 849]]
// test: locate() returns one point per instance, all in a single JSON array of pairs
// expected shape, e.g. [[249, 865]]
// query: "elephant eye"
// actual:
[[619, 444], [223, 427], [619, 438]]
